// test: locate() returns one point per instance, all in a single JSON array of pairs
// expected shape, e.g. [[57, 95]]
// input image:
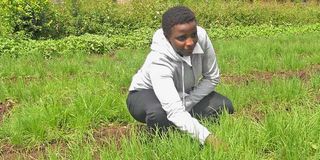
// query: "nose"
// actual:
[[189, 42]]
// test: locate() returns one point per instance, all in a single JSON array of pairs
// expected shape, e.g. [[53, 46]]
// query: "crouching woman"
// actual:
[[176, 84]]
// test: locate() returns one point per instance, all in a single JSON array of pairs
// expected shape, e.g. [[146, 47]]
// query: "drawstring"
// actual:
[[183, 96]]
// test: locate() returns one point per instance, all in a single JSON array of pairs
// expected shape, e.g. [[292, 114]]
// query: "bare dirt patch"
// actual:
[[111, 132], [115, 133], [318, 97], [303, 74], [5, 107], [11, 152], [27, 79], [106, 134], [252, 113]]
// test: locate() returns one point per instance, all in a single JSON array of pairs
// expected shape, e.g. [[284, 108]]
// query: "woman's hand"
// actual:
[[215, 143]]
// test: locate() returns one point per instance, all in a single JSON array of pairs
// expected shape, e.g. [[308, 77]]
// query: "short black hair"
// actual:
[[176, 15]]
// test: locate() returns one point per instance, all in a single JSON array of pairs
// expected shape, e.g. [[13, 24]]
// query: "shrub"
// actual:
[[140, 38], [43, 19], [35, 18]]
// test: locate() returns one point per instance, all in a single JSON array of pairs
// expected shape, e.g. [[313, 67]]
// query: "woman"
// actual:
[[177, 80]]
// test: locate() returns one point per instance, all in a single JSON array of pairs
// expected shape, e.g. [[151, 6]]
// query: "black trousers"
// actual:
[[145, 107]]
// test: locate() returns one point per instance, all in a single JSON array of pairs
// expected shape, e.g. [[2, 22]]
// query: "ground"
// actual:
[[115, 132]]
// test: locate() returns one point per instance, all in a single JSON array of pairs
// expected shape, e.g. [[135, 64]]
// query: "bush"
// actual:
[[140, 38], [35, 18], [42, 19], [5, 28]]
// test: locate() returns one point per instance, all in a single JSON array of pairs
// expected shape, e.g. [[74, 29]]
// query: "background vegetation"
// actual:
[[43, 19]]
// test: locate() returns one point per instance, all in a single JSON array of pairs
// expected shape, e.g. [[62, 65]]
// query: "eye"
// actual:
[[181, 38]]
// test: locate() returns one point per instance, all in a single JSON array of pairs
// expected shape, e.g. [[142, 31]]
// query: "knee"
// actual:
[[157, 118], [228, 106]]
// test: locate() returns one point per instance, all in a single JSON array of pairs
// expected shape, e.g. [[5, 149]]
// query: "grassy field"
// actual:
[[73, 107]]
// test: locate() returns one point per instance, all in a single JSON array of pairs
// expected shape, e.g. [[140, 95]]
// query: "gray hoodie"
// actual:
[[179, 82]]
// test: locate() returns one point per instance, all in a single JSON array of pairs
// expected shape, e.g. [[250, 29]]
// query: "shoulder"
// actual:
[[158, 60], [202, 33], [203, 38], [158, 34]]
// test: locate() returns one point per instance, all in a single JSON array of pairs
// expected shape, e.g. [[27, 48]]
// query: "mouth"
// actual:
[[189, 50]]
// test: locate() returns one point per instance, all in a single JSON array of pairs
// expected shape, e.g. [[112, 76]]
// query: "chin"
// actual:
[[188, 54]]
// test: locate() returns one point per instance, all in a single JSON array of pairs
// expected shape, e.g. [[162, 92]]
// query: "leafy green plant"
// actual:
[[43, 19], [35, 18], [139, 38]]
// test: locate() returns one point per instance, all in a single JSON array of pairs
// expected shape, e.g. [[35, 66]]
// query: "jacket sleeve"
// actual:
[[210, 73], [163, 86]]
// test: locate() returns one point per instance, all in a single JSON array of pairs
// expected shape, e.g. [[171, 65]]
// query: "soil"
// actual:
[[5, 107], [252, 113], [303, 74], [11, 152], [110, 134]]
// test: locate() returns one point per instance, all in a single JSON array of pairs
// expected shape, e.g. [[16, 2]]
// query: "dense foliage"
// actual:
[[43, 19], [99, 44], [59, 27]]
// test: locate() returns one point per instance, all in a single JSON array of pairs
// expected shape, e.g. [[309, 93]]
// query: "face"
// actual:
[[183, 38]]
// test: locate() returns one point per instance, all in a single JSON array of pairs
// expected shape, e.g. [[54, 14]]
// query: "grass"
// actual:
[[268, 54], [64, 99]]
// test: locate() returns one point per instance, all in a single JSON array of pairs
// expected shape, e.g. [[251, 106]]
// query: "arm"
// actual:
[[210, 74], [163, 86]]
